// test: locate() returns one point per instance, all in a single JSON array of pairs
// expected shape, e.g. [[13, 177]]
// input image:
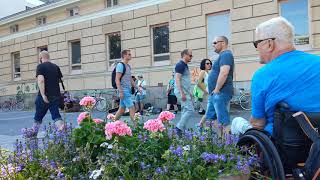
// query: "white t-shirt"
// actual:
[[140, 84]]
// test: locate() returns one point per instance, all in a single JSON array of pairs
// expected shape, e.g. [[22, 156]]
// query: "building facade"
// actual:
[[85, 37]]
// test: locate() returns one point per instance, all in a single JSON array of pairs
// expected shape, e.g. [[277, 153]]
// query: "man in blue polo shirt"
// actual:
[[289, 75]]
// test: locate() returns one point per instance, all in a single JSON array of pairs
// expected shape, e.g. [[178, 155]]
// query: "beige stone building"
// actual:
[[84, 37]]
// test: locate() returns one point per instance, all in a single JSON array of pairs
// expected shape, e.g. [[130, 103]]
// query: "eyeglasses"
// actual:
[[255, 43], [208, 63], [216, 42], [190, 55]]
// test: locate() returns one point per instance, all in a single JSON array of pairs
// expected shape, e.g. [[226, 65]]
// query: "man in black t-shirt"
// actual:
[[48, 78]]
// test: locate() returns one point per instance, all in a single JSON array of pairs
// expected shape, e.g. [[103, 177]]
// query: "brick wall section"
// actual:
[[187, 25]]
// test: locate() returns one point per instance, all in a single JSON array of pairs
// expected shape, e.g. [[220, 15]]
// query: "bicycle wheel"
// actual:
[[6, 106], [245, 102], [101, 105], [19, 106]]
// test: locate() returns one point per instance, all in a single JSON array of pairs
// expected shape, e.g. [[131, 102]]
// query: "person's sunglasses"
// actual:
[[208, 63], [255, 43], [216, 42], [190, 55]]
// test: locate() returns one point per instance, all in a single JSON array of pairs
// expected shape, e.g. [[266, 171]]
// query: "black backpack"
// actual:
[[113, 75], [312, 165]]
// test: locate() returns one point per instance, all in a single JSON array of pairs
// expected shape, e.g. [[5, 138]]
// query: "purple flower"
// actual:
[[159, 170], [178, 151], [53, 165], [60, 175], [202, 138]]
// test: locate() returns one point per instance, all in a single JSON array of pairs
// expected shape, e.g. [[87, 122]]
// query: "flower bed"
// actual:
[[109, 149]]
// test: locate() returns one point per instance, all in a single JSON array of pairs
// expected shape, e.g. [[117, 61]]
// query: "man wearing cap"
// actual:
[[140, 93]]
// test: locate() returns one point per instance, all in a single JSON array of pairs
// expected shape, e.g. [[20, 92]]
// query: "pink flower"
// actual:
[[154, 125], [117, 128], [111, 116], [82, 116], [166, 116], [88, 101], [98, 121]]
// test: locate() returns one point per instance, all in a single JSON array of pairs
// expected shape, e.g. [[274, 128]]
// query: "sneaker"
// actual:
[[202, 112]]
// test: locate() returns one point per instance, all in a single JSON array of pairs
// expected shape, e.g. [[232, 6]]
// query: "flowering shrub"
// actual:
[[154, 125], [166, 116], [82, 116], [117, 128], [110, 149], [88, 102]]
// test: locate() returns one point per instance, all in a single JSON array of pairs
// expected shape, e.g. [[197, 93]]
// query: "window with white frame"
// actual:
[[160, 44], [16, 65], [75, 55], [73, 11], [114, 48], [41, 20], [111, 3], [223, 22], [296, 12], [14, 28]]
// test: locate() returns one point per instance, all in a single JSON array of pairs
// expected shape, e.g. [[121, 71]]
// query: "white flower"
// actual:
[[110, 146], [105, 144], [95, 174], [186, 148]]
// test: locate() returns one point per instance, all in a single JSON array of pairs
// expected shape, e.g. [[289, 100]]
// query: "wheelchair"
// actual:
[[280, 155]]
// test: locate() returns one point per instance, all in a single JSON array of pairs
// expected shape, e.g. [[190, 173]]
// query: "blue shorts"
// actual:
[[126, 102], [218, 108], [42, 108], [140, 97]]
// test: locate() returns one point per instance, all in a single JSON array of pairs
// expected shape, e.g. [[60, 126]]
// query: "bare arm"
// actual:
[[41, 84], [200, 83], [223, 75], [178, 83], [118, 82], [258, 123]]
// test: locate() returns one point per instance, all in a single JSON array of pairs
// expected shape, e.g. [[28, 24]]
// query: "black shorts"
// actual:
[[172, 99]]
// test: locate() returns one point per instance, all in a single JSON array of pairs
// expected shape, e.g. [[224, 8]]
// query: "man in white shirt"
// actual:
[[140, 93]]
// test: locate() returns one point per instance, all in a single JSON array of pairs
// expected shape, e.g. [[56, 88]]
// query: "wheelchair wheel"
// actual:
[[270, 164]]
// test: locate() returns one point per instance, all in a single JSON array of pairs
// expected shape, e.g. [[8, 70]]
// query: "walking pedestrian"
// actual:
[[48, 77], [124, 83], [182, 89]]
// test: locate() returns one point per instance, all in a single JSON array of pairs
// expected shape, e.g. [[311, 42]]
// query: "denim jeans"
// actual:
[[186, 112], [42, 108], [218, 108]]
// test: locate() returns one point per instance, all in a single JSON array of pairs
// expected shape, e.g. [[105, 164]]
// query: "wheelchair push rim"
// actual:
[[270, 164]]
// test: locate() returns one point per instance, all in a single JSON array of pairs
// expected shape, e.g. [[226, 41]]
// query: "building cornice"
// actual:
[[35, 11], [74, 20]]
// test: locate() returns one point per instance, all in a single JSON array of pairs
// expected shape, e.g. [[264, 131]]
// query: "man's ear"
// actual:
[[271, 45]]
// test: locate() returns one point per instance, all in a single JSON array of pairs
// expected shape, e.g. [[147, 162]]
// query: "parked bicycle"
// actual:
[[243, 100], [13, 104]]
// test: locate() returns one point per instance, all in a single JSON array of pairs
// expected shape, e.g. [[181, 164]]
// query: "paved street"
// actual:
[[12, 122]]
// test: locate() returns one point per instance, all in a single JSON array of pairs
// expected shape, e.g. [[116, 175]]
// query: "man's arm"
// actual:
[[258, 123], [41, 84], [223, 75], [178, 82]]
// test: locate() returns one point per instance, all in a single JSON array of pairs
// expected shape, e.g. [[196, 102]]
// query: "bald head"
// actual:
[[44, 56]]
